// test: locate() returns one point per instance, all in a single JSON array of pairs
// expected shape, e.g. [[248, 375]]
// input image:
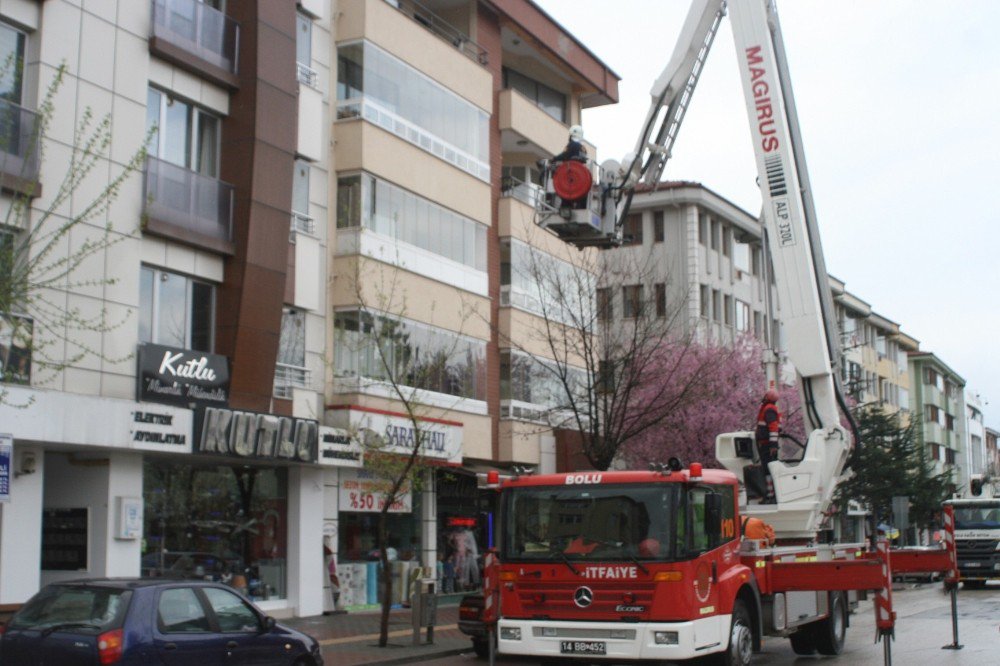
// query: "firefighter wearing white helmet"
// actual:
[[575, 149]]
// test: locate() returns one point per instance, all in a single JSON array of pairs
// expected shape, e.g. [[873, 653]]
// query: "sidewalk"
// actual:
[[352, 638]]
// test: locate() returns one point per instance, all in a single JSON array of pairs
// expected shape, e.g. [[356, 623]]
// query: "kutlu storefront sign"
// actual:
[[337, 448], [394, 433], [362, 491], [253, 435], [182, 377]]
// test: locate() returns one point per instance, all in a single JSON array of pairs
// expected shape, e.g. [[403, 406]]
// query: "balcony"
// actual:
[[301, 224], [442, 29], [525, 192], [196, 37], [19, 149], [188, 207], [288, 377], [306, 75]]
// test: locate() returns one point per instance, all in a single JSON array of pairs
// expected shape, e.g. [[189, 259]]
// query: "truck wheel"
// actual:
[[740, 651], [830, 633], [804, 640], [481, 648]]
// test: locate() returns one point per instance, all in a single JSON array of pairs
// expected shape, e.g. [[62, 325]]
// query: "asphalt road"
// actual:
[[923, 625]]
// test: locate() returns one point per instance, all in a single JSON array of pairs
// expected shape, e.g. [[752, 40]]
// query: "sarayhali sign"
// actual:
[[394, 433], [182, 377]]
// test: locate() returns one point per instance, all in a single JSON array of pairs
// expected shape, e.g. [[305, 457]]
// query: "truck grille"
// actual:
[[975, 547], [556, 599]]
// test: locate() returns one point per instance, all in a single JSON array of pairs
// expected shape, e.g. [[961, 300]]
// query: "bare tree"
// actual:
[[38, 331], [616, 340], [407, 362]]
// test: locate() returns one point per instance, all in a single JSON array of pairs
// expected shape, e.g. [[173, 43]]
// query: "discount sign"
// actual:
[[360, 490]]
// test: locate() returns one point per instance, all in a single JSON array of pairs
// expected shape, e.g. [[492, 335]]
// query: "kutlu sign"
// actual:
[[362, 491]]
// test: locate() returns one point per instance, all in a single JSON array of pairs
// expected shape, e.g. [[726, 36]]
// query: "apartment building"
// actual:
[[976, 456], [314, 170], [992, 452], [874, 366], [706, 257], [937, 395]]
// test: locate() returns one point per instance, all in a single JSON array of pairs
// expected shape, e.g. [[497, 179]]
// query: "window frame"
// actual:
[[192, 154], [632, 301], [658, 227], [154, 323], [202, 592], [21, 47], [161, 628]]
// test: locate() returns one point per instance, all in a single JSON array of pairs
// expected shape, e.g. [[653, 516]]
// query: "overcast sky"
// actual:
[[899, 104]]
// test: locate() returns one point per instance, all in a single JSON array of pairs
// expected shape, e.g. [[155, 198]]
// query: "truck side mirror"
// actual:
[[713, 518]]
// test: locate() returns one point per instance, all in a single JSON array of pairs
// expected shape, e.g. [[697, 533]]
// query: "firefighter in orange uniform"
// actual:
[[768, 427]]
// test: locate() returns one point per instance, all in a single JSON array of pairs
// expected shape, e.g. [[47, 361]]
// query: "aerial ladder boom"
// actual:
[[804, 488]]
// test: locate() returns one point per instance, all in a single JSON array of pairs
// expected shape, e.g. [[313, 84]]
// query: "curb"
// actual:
[[451, 652]]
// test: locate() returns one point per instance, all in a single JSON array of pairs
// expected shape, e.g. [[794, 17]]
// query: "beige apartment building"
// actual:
[[315, 168]]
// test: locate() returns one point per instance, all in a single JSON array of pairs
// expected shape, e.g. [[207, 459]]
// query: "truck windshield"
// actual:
[[571, 523], [984, 516]]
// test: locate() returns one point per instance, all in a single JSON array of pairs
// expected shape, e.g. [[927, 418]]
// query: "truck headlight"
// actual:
[[665, 637], [510, 633]]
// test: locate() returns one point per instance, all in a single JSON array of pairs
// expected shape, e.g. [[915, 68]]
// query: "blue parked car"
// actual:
[[149, 621]]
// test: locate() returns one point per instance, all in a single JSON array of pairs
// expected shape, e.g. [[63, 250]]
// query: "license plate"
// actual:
[[971, 565], [583, 647]]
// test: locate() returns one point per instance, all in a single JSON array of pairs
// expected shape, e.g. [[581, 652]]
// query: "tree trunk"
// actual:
[[386, 587]]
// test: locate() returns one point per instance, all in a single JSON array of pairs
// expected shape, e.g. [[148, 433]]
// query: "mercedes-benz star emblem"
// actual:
[[583, 597]]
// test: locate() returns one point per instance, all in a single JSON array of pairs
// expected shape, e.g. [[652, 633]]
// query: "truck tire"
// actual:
[[830, 632], [481, 648], [740, 650], [804, 640]]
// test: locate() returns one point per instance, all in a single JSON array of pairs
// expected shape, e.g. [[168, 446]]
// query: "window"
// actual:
[[547, 99], [179, 611], [716, 232], [175, 310], [632, 230], [741, 256], [658, 226], [949, 456], [932, 378], [631, 301], [384, 348], [605, 307], [935, 451], [303, 51], [538, 282], [300, 187], [705, 300], [727, 241], [743, 321], [101, 607], [292, 345], [949, 421], [232, 613], [703, 229], [716, 305], [727, 309], [660, 293], [530, 381], [186, 135], [932, 413], [755, 260], [384, 208], [389, 93], [11, 69]]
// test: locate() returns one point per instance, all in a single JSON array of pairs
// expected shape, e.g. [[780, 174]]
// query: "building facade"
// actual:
[[937, 398], [314, 170]]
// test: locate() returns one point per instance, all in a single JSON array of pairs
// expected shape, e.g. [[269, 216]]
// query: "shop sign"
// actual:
[[363, 491], [338, 448], [394, 433], [16, 333], [6, 457], [254, 435], [182, 377], [154, 428]]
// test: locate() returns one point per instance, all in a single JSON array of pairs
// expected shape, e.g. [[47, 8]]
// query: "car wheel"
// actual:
[[481, 648], [803, 641], [830, 633], [740, 650]]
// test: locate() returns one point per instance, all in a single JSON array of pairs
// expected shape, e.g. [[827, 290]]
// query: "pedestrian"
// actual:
[[448, 572], [331, 569], [768, 428]]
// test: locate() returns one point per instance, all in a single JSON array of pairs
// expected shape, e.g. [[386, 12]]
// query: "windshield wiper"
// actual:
[[68, 625], [638, 563], [562, 556]]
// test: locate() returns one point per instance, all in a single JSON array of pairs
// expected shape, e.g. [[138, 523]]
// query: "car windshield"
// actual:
[[87, 609], [978, 517], [587, 523]]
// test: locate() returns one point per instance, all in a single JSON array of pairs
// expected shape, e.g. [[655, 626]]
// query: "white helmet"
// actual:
[[576, 133]]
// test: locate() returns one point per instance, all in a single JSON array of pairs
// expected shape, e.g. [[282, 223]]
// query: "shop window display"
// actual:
[[224, 523]]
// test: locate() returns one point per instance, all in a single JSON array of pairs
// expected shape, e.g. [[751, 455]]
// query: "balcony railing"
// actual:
[[198, 29], [288, 377], [306, 74], [524, 192], [302, 224], [442, 29], [19, 142], [189, 201]]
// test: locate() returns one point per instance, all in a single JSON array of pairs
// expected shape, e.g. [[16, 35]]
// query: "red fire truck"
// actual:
[[659, 564]]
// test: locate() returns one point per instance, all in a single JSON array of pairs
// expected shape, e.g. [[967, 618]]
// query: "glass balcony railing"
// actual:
[[189, 200], [19, 141], [444, 30], [199, 29]]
